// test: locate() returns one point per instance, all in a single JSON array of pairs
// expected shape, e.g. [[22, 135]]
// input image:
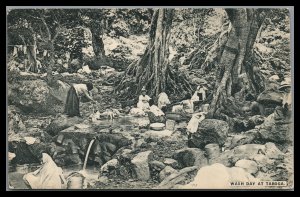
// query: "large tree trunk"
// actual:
[[97, 42], [51, 65], [152, 70], [237, 55]]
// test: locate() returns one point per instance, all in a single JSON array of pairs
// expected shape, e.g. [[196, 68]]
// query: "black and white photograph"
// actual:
[[150, 98]]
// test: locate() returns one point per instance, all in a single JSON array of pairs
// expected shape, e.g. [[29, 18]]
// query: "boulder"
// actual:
[[244, 138], [33, 96], [209, 131], [264, 155], [270, 97], [62, 122], [124, 156], [190, 157], [276, 128], [247, 151], [109, 166], [177, 177], [167, 171], [118, 140], [171, 162], [217, 176], [272, 152], [225, 158], [141, 165], [158, 134], [263, 162], [248, 165]]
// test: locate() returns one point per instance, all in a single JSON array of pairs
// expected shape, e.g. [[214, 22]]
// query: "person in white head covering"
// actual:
[[143, 100], [48, 176], [200, 94], [163, 100]]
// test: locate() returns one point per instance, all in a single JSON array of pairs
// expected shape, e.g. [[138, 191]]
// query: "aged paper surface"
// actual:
[[150, 98]]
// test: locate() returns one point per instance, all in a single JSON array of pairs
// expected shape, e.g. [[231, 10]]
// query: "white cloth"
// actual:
[[143, 102], [195, 97], [156, 111], [48, 176], [30, 140], [137, 112], [203, 92], [194, 122], [163, 100], [177, 108]]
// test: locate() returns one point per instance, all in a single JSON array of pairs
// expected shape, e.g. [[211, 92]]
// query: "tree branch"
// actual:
[[56, 34], [46, 26]]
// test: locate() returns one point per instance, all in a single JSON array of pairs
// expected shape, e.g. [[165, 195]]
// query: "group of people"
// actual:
[[186, 107]]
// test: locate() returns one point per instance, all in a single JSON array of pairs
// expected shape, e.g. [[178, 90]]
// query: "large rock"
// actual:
[[225, 158], [273, 152], [155, 135], [60, 90], [248, 165], [244, 138], [190, 157], [270, 97], [209, 131], [247, 151], [109, 166], [217, 176], [141, 165], [276, 128], [167, 171], [62, 122], [33, 96], [264, 155]]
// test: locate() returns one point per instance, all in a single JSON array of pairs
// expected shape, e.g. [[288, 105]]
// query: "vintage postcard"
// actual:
[[150, 98]]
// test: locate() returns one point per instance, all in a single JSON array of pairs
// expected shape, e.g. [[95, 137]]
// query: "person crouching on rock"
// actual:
[[48, 176], [75, 94]]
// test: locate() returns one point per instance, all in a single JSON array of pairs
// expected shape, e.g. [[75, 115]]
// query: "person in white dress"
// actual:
[[144, 99]]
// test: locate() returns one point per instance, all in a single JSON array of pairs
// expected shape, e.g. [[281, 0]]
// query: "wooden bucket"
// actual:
[[75, 181], [170, 125]]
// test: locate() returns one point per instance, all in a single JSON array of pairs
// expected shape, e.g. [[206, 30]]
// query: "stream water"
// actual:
[[123, 121]]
